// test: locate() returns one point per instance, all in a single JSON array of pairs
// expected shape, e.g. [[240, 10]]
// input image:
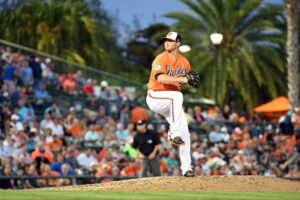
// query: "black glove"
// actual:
[[193, 79]]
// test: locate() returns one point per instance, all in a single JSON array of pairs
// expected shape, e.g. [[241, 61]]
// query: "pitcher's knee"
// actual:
[[178, 97]]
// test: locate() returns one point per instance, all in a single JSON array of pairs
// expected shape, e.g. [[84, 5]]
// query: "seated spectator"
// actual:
[[172, 162], [189, 113], [70, 157], [53, 109], [31, 143], [10, 146], [226, 112], [104, 91], [132, 169], [215, 136], [26, 73], [47, 122], [69, 84], [66, 170], [76, 129], [5, 94], [56, 144], [93, 137], [41, 94], [9, 77], [121, 132], [26, 112], [198, 115], [225, 134], [22, 153], [10, 182], [46, 171], [88, 88], [79, 78], [102, 117], [31, 182], [41, 155], [15, 123], [47, 133], [92, 118], [86, 159], [7, 55]]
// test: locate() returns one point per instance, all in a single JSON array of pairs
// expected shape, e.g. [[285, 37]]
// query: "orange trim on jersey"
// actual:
[[172, 103]]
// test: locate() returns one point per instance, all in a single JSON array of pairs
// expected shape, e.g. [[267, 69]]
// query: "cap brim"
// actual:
[[165, 38]]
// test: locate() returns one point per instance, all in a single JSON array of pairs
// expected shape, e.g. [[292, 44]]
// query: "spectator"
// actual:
[[2, 150], [124, 115], [46, 171], [15, 123], [93, 137], [66, 170], [198, 115], [37, 72], [31, 182], [10, 182], [22, 154], [121, 132], [31, 143], [41, 94], [86, 159], [53, 110], [9, 76], [41, 155], [26, 73], [104, 91]]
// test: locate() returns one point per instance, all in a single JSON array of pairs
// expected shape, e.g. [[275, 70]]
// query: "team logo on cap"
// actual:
[[157, 67]]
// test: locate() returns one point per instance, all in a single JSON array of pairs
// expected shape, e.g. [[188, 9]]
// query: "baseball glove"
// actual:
[[193, 79]]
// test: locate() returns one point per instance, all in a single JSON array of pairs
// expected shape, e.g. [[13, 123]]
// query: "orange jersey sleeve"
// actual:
[[165, 64]]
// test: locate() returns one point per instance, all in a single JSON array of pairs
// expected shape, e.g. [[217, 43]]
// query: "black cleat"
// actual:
[[177, 141], [189, 173]]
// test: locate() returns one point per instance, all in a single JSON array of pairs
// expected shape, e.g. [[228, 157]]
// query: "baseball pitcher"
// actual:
[[169, 70]]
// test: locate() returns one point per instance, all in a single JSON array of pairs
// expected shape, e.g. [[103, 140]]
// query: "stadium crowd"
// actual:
[[98, 143]]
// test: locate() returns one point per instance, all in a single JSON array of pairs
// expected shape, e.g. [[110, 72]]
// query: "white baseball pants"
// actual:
[[169, 105]]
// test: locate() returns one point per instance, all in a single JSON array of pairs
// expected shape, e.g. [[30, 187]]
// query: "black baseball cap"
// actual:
[[140, 122], [172, 36]]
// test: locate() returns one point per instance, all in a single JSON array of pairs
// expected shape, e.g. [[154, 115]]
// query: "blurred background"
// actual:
[[74, 78]]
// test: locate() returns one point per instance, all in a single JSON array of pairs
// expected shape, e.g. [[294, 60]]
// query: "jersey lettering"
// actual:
[[179, 71], [165, 64]]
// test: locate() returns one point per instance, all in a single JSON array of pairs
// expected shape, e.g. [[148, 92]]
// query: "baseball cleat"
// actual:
[[177, 141], [189, 173]]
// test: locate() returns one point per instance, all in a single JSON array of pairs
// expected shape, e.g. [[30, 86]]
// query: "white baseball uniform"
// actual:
[[167, 100]]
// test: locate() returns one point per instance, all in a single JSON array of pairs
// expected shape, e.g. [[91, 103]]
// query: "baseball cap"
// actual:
[[140, 122], [172, 36], [104, 83], [71, 109], [224, 129], [14, 117], [33, 130]]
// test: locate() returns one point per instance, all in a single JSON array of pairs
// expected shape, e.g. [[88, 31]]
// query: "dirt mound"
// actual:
[[199, 183]]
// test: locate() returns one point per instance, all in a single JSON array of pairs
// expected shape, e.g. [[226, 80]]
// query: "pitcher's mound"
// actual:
[[199, 183]]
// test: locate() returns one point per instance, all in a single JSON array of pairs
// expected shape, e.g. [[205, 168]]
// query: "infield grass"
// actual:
[[151, 195]]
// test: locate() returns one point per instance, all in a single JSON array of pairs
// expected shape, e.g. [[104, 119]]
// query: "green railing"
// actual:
[[64, 66]]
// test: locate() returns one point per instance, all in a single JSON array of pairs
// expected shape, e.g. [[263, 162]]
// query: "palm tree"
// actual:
[[292, 51], [251, 68], [70, 29]]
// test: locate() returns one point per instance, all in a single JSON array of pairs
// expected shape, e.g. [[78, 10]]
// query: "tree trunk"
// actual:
[[292, 52]]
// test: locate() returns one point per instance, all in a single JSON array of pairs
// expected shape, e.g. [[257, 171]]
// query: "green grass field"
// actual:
[[151, 195]]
